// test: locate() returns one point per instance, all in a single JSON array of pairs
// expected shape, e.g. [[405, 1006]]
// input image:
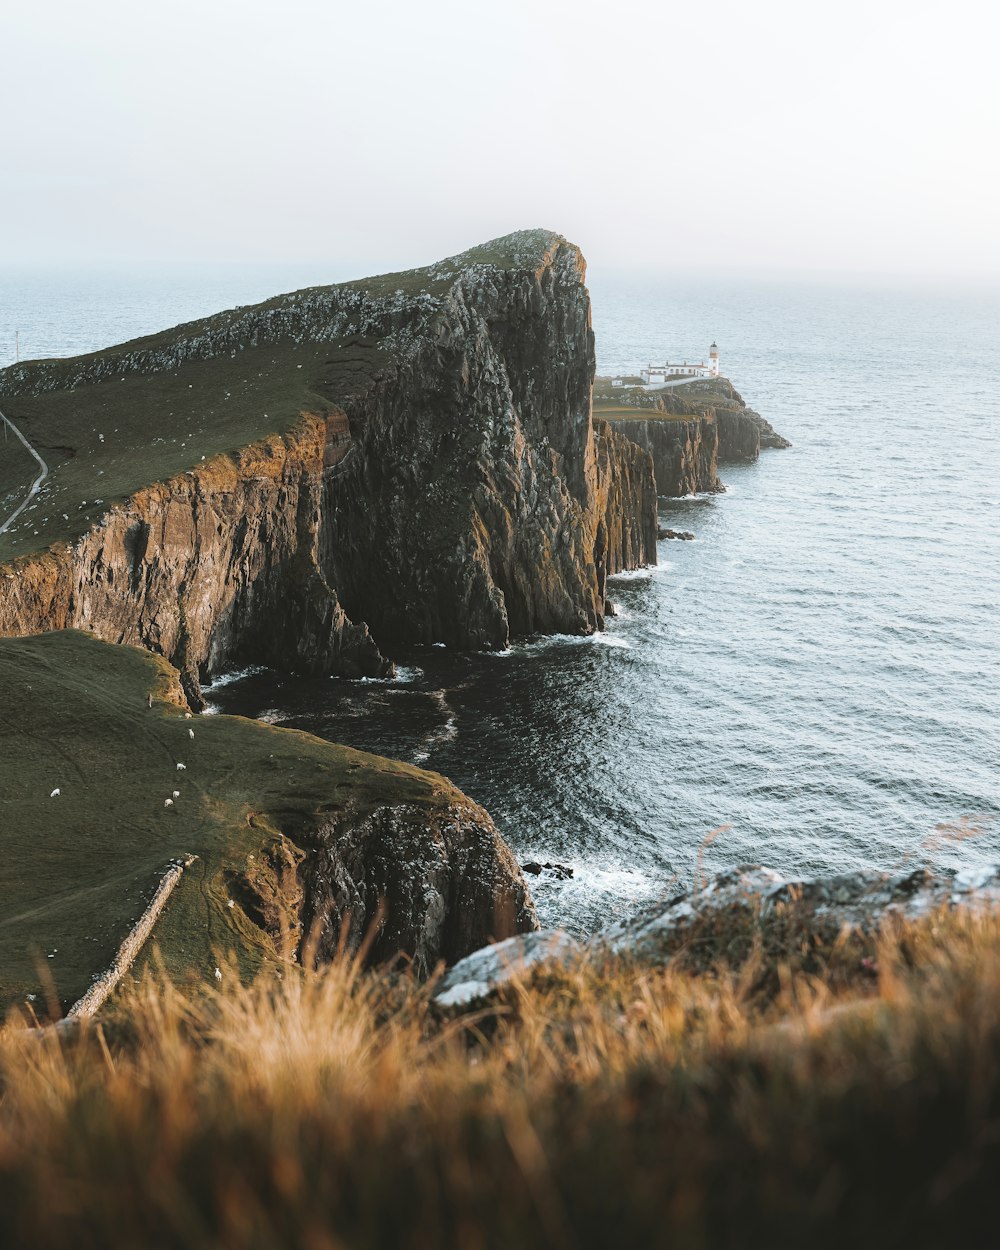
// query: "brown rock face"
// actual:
[[685, 454], [447, 487], [626, 533], [212, 569], [471, 505]]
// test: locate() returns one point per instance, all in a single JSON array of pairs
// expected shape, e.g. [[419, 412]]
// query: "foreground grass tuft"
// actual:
[[601, 1104]]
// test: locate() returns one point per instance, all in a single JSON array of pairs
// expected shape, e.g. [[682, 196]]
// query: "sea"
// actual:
[[811, 684]]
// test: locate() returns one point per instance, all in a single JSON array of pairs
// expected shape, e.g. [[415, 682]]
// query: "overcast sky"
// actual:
[[776, 135]]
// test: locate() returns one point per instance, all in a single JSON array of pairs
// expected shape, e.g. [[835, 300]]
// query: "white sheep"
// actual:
[[181, 767], [55, 793], [168, 802]]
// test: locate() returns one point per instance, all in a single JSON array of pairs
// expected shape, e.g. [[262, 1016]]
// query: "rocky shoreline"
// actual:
[[728, 914]]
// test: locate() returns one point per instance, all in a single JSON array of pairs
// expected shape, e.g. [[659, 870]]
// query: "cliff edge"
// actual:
[[409, 458]]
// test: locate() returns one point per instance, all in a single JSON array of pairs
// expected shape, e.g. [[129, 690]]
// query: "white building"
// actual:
[[658, 375]]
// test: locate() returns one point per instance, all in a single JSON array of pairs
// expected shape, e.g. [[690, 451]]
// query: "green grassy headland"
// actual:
[[77, 869], [632, 402]]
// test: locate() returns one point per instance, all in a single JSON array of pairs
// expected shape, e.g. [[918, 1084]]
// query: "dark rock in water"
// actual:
[[684, 535], [769, 437], [562, 872], [609, 608]]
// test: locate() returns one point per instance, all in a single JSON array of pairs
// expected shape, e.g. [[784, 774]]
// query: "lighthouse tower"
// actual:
[[713, 360]]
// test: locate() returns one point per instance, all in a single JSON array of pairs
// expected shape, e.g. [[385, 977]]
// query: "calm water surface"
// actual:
[[818, 672]]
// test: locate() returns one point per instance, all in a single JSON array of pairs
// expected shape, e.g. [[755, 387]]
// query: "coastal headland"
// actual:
[[305, 484], [298, 484], [689, 429]]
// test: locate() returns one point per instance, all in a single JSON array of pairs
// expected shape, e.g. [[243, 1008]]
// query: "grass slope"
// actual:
[[77, 870], [673, 403], [105, 441]]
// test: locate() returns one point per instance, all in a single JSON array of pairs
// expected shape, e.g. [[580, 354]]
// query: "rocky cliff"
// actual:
[[408, 459], [626, 499], [212, 568], [688, 430], [685, 453]]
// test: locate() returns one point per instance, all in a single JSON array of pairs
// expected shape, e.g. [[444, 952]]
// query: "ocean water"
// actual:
[[812, 684]]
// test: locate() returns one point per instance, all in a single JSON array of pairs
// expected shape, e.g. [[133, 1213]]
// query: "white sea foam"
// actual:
[[611, 640], [408, 673], [272, 716], [443, 733], [227, 679]]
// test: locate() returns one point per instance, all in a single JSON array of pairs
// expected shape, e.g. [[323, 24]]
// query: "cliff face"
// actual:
[[435, 885], [626, 533], [685, 454], [438, 477], [691, 430], [213, 568], [471, 506]]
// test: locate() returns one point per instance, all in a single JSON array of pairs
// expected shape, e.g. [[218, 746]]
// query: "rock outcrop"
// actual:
[[741, 908], [685, 453], [445, 484], [214, 568], [751, 896], [690, 430], [432, 885], [626, 503]]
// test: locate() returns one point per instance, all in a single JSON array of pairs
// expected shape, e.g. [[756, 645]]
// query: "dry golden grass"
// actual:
[[600, 1104]]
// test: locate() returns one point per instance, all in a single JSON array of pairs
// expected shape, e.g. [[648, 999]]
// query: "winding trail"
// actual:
[[36, 485]]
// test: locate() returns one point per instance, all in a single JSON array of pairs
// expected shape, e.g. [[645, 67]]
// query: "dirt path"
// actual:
[[36, 485]]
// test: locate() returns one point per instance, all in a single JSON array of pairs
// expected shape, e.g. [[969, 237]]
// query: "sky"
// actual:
[[778, 137]]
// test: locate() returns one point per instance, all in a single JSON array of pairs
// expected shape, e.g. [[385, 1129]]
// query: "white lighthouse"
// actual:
[[655, 376]]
